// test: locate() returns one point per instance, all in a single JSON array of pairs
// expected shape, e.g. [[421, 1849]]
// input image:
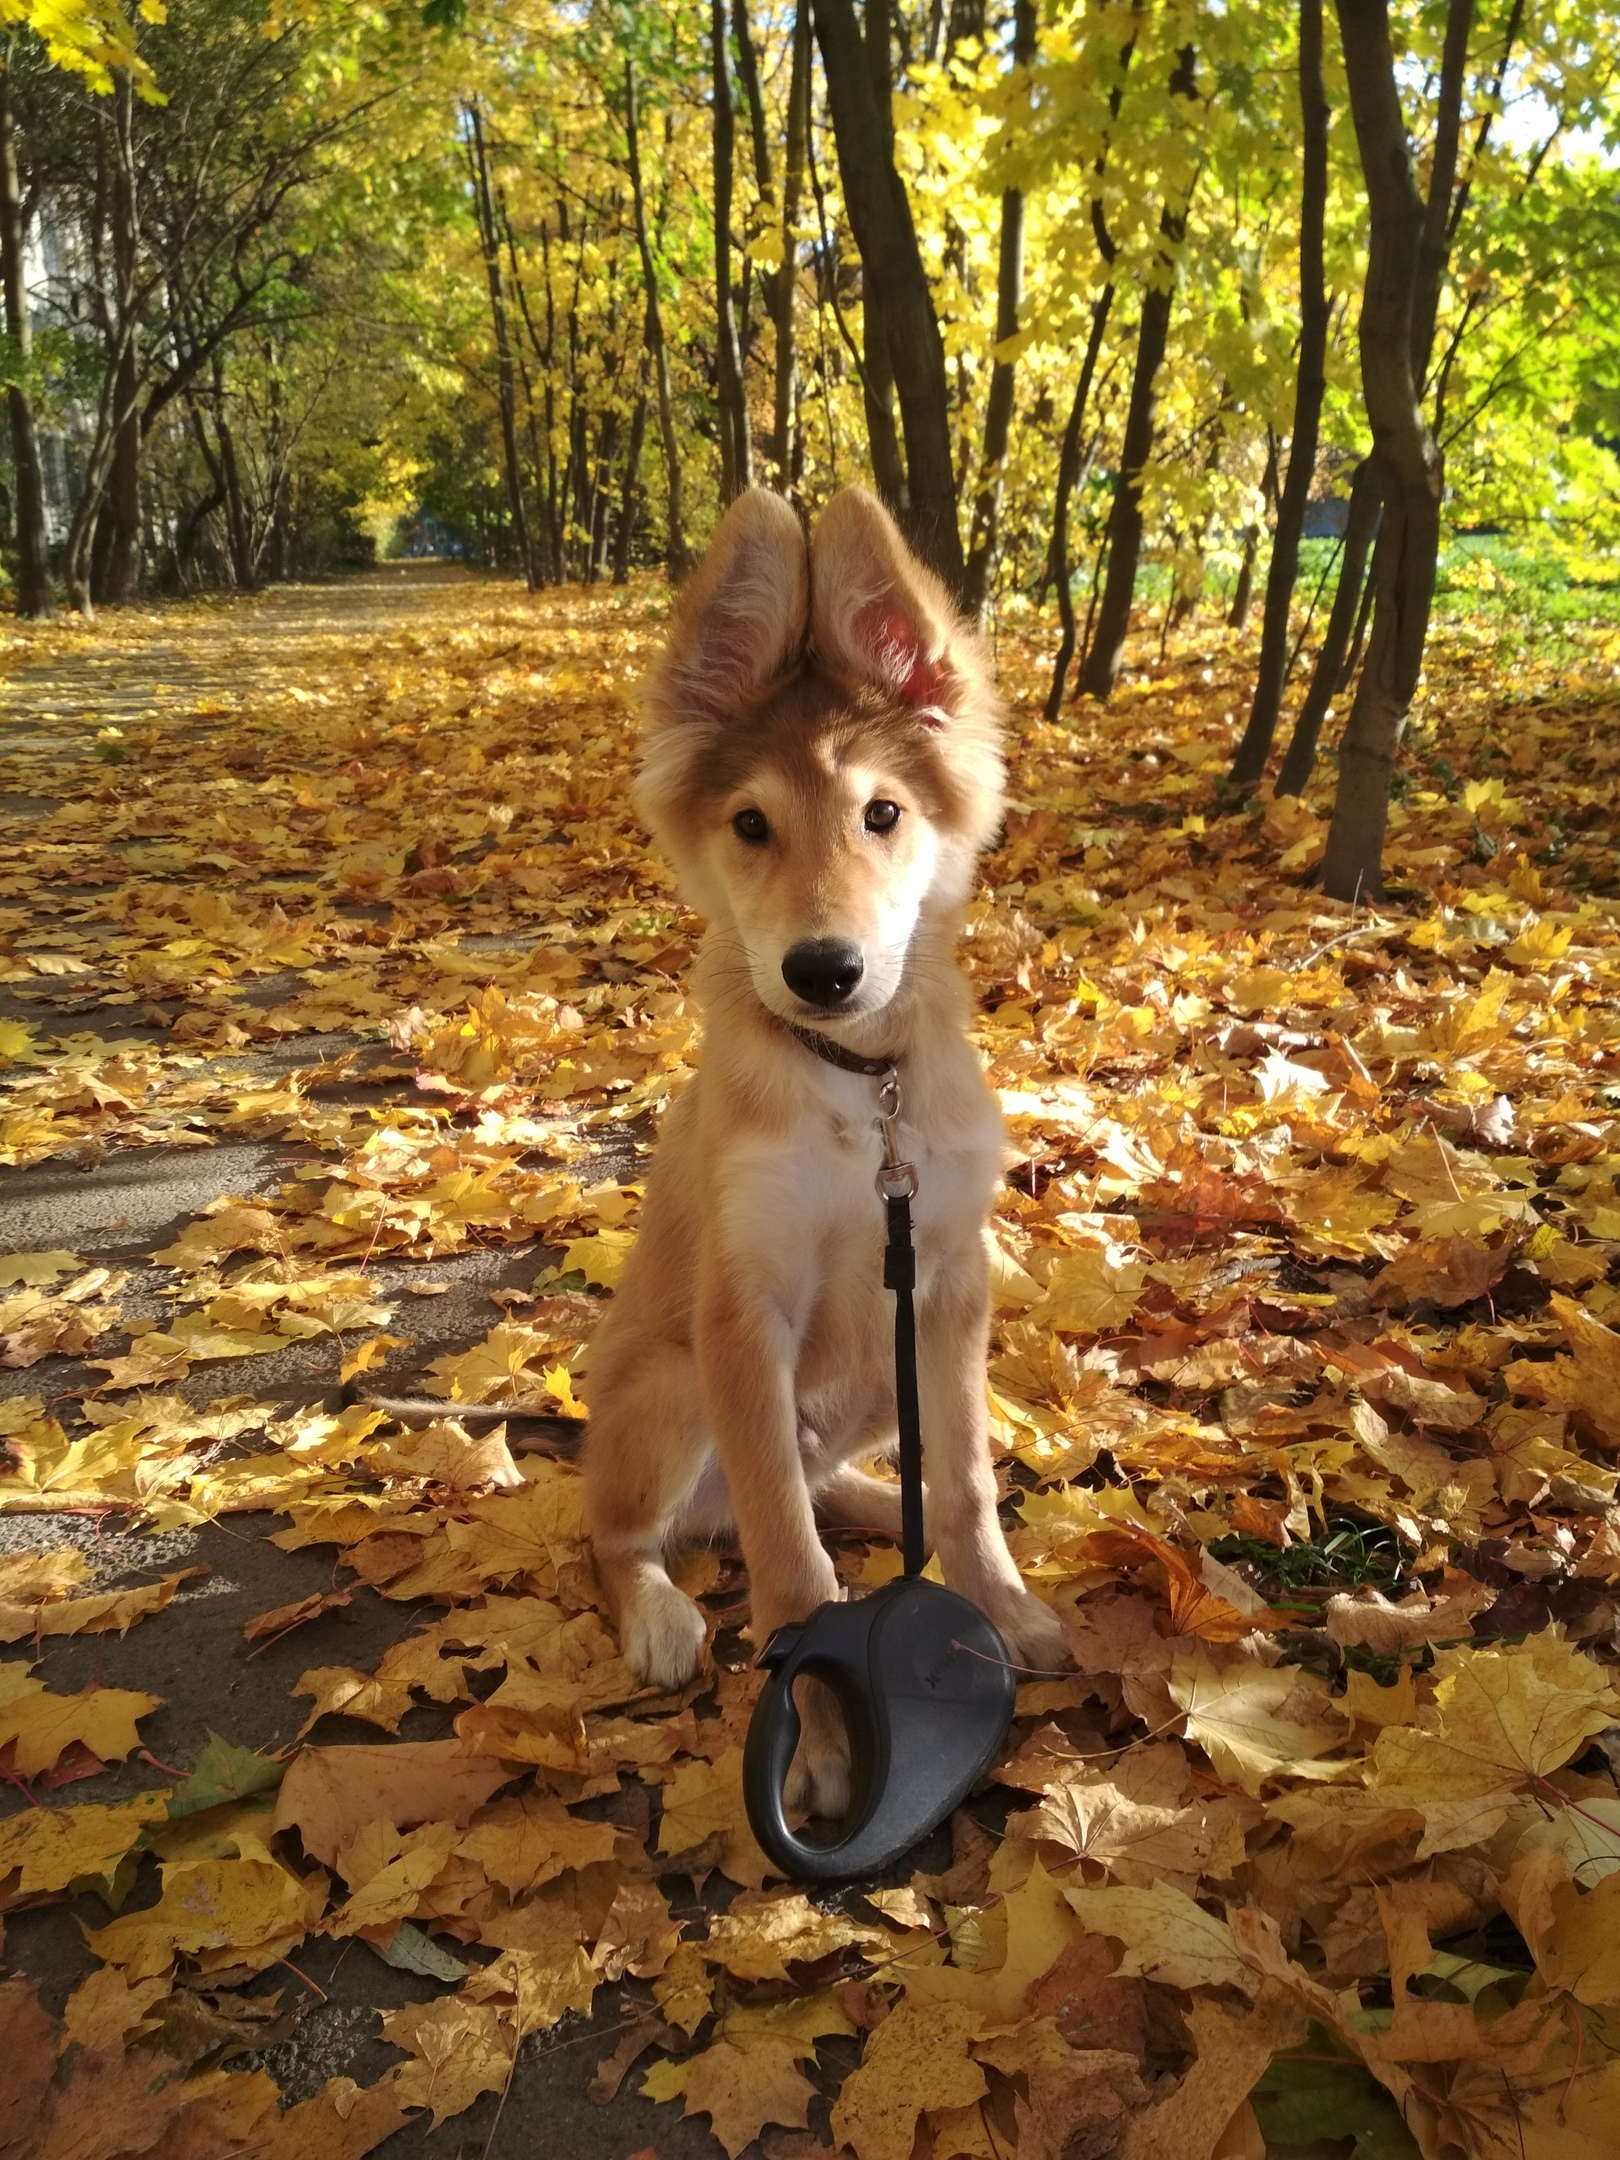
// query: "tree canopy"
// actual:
[[1112, 302]]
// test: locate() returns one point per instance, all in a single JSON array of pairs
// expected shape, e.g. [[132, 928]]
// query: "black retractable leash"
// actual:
[[921, 1676]]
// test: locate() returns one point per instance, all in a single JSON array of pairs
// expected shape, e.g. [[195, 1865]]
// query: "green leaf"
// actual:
[[224, 1772], [413, 1950], [444, 14], [1304, 2100]]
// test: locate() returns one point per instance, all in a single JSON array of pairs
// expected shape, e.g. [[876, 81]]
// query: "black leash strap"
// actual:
[[900, 1276], [897, 1184]]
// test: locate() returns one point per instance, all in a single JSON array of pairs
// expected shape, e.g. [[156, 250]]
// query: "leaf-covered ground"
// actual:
[[1306, 1387]]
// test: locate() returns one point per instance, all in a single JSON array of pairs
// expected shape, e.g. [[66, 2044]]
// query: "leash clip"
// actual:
[[897, 1179]]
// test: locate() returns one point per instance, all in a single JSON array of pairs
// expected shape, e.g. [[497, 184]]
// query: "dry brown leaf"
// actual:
[[330, 1793], [526, 1839]]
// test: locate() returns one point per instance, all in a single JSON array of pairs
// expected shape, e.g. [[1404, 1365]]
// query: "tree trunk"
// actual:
[[785, 284], [489, 233], [632, 479], [1237, 615], [1328, 674], [607, 449], [985, 533], [677, 556], [1100, 668], [1124, 535], [1068, 474], [122, 527], [1255, 748], [736, 455], [892, 265], [1404, 268], [33, 552]]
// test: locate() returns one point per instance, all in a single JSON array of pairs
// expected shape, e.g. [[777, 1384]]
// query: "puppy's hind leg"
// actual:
[[644, 1454], [855, 1500]]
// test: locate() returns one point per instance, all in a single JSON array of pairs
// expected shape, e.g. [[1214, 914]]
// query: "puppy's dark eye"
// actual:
[[750, 825], [882, 816]]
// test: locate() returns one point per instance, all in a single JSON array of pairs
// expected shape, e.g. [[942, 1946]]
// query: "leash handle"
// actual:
[[897, 1183]]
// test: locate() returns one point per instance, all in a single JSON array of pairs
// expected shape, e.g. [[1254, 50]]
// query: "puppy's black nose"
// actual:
[[823, 971]]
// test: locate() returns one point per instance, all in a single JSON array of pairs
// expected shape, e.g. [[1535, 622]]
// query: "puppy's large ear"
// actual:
[[877, 616], [740, 620]]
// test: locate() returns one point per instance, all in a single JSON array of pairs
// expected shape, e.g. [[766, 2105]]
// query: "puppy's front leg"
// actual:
[[745, 1357], [953, 1335]]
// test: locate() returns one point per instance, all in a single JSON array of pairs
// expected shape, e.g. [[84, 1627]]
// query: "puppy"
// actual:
[[822, 767]]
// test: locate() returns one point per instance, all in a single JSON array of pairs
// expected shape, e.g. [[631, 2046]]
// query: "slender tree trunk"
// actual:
[[736, 454], [785, 283], [1124, 535], [880, 214], [191, 525], [1068, 474], [1328, 671], [123, 521], [632, 480], [1100, 669], [489, 233], [984, 535], [607, 449], [33, 550], [677, 555], [1255, 748], [1404, 268], [1237, 615]]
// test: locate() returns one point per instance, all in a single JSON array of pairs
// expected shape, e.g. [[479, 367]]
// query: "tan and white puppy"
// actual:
[[822, 768]]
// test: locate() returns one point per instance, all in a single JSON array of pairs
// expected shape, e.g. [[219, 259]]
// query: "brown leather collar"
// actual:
[[833, 1053]]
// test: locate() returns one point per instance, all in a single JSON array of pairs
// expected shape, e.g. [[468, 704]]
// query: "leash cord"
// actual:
[[900, 1276]]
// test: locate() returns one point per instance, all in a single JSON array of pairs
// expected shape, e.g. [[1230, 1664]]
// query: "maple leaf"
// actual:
[[106, 2007], [224, 1773], [53, 1847], [343, 2121], [330, 1793], [704, 1799], [388, 1882], [1500, 1717], [684, 1990], [36, 1267], [340, 1691], [528, 1838], [461, 2049], [35, 1578], [917, 2059], [1256, 1722], [255, 1909], [536, 1988], [444, 1454], [100, 1614], [763, 1932], [1587, 1382], [1121, 1820], [1232, 2052], [637, 1934], [40, 1727], [749, 2075], [1091, 1291]]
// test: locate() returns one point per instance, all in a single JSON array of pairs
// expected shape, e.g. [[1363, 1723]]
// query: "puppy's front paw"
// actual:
[[818, 1777], [662, 1635], [1032, 1632]]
